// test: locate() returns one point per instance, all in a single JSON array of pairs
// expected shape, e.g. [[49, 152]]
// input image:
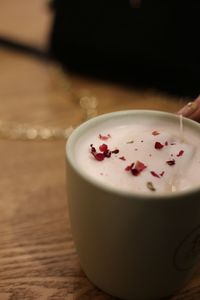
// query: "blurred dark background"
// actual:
[[155, 45]]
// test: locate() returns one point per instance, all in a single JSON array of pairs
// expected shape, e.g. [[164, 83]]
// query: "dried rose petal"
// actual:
[[122, 158], [162, 173], [99, 156], [115, 151], [107, 153], [135, 172], [93, 149], [158, 145], [128, 168], [140, 166], [104, 137], [166, 143], [180, 153], [154, 174], [155, 132], [171, 162], [103, 147]]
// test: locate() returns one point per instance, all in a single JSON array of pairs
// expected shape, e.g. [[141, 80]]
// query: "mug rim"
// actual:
[[100, 118]]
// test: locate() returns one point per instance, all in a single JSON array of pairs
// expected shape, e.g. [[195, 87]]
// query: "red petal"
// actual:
[[93, 149], [107, 153], [122, 158], [128, 168], [99, 156], [103, 147], [140, 166], [158, 145], [115, 151], [162, 173], [155, 132], [171, 162], [104, 137], [154, 174], [180, 153], [135, 172]]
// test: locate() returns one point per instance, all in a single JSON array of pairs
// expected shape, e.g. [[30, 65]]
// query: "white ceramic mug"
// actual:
[[132, 246]]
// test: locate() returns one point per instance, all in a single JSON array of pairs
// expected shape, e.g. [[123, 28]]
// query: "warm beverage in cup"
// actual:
[[134, 199], [137, 155]]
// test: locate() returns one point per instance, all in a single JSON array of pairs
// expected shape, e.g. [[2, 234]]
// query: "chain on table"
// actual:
[[24, 131]]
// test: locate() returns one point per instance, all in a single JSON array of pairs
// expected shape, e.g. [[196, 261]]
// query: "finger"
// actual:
[[191, 109], [195, 115]]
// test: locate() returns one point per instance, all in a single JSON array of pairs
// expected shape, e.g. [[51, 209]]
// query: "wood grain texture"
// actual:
[[38, 260]]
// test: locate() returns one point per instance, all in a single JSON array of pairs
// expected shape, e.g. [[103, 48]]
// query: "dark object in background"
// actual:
[[155, 45]]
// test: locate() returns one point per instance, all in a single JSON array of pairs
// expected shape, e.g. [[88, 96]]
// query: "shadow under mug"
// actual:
[[132, 246]]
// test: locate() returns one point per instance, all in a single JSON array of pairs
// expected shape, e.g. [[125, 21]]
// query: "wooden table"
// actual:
[[38, 259]]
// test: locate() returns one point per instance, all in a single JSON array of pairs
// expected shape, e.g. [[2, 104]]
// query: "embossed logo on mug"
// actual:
[[188, 251]]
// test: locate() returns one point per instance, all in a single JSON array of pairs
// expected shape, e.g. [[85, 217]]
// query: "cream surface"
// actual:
[[165, 160]]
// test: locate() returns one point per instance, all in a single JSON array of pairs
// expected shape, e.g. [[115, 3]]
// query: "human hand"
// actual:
[[191, 110]]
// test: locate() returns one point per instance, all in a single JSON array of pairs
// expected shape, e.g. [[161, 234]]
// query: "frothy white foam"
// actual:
[[174, 167]]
